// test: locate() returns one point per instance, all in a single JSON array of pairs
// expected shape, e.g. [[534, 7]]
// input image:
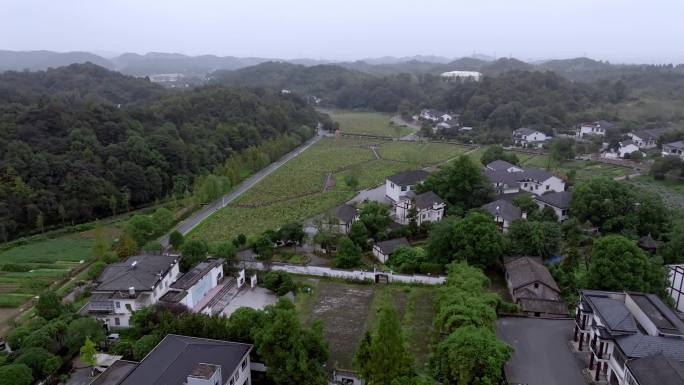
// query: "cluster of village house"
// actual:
[[638, 142], [627, 334]]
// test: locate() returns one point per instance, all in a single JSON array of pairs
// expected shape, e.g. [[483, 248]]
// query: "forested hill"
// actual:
[[66, 159], [82, 81]]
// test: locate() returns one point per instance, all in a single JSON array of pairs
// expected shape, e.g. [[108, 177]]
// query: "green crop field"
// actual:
[[47, 261], [367, 123], [296, 190], [670, 190], [424, 153]]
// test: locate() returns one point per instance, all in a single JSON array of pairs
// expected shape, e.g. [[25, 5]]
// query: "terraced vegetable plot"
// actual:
[[46, 261], [295, 191], [367, 123], [424, 153], [670, 190]]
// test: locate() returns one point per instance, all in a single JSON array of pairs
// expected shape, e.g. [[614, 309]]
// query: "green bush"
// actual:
[[279, 282], [95, 270], [15, 268]]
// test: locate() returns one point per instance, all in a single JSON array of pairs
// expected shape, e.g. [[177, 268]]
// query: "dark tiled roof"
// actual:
[[524, 131], [388, 247], [175, 357], [614, 313], [525, 270], [501, 176], [540, 305], [115, 373], [535, 174], [643, 345], [427, 199], [346, 213], [504, 209], [556, 199], [406, 178], [652, 133], [173, 296], [678, 144], [499, 164], [658, 369], [187, 280], [142, 276], [647, 242], [660, 314]]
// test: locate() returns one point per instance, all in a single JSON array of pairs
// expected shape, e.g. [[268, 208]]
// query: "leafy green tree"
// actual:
[[144, 345], [279, 282], [348, 253], [263, 247], [470, 355], [386, 357], [671, 251], [460, 183], [162, 219], [49, 305], [617, 207], [194, 252], [240, 240], [562, 149], [534, 238], [292, 232], [15, 374], [176, 239], [226, 250], [358, 233], [243, 324], [292, 354], [41, 362], [526, 204], [95, 270], [439, 241], [477, 239], [407, 260], [617, 263], [376, 218], [88, 352], [126, 246], [493, 153], [81, 329], [141, 228]]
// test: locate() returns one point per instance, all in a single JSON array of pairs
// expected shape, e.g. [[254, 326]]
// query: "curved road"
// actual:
[[192, 222]]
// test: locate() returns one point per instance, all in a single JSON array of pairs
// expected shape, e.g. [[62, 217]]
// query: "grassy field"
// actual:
[[347, 310], [296, 190], [368, 123]]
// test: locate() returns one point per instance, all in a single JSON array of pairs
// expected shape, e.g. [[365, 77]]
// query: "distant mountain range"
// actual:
[[154, 63]]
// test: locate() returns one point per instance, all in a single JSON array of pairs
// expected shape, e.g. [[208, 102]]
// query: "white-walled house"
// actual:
[[558, 201], [429, 208], [646, 139], [124, 287], [675, 276], [598, 127], [190, 289], [401, 183], [185, 360], [538, 181], [384, 250], [345, 215], [461, 75], [527, 137], [674, 149], [618, 328], [625, 149]]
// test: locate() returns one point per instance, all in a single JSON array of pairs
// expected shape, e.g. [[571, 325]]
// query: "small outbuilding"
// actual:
[[384, 250], [533, 288]]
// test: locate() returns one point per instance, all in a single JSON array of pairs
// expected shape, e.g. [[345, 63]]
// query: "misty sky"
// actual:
[[649, 31]]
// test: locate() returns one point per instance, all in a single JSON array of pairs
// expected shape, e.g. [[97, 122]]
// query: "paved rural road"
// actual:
[[191, 222]]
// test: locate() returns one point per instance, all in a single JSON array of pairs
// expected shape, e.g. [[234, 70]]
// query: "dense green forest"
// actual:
[[81, 142]]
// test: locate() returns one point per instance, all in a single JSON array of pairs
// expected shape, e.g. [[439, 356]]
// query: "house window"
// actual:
[[547, 186], [118, 304], [244, 363], [117, 322], [237, 375], [536, 285], [403, 188], [525, 185], [424, 216], [392, 185], [232, 381]]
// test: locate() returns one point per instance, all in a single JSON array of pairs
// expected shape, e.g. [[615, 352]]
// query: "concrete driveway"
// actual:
[[542, 355]]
